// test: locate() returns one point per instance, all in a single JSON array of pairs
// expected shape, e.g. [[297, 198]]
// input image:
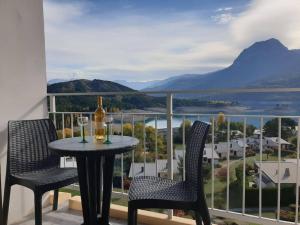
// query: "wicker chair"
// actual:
[[155, 192], [31, 164]]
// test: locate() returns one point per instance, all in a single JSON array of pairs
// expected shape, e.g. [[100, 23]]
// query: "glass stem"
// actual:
[[107, 132], [83, 134]]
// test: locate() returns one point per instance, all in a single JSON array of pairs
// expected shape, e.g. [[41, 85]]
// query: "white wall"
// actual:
[[22, 79]]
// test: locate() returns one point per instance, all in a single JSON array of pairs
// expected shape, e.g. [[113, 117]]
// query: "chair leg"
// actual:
[[55, 200], [132, 215], [38, 208], [7, 190], [198, 218], [205, 216]]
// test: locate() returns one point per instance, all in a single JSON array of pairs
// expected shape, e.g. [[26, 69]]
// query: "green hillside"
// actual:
[[88, 103]]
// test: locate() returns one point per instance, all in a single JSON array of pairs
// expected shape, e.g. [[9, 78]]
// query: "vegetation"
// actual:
[[135, 100], [287, 127], [221, 128], [150, 137], [178, 137]]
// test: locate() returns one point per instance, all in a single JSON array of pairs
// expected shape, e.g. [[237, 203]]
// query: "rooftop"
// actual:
[[288, 171]]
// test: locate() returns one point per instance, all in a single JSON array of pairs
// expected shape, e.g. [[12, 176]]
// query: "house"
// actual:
[[139, 169], [287, 173], [267, 143], [236, 133], [254, 142], [256, 133], [236, 148], [160, 165], [210, 155], [273, 143]]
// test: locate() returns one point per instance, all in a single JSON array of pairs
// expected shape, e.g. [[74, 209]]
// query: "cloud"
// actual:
[[130, 46], [269, 18], [125, 44], [223, 18], [224, 9], [223, 15], [56, 13]]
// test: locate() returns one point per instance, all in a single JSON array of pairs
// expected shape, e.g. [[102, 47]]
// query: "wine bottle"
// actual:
[[99, 121]]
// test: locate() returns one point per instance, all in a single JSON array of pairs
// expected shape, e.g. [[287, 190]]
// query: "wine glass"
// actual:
[[108, 120], [82, 122]]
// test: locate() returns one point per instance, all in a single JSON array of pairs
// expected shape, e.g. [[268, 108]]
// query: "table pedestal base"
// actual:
[[91, 170]]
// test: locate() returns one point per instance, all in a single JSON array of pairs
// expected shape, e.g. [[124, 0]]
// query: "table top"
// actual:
[[73, 147]]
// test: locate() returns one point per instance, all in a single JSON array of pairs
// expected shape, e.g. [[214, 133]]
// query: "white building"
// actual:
[[267, 143], [273, 143], [270, 173], [236, 148], [158, 167], [210, 155]]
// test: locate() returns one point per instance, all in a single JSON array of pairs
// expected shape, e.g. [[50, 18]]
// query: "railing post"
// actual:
[[53, 108], [52, 104], [170, 134], [170, 140]]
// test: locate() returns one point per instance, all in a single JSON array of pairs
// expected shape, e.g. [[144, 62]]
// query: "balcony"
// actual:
[[246, 168], [250, 178]]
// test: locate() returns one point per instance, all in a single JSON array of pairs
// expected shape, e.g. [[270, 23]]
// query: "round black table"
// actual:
[[94, 159]]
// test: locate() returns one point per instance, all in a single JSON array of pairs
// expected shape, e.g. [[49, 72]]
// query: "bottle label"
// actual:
[[100, 130]]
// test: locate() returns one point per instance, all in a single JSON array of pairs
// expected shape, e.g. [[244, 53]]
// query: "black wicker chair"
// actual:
[[155, 192], [31, 164]]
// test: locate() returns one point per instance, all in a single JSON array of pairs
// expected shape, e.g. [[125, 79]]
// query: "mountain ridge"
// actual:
[[262, 61]]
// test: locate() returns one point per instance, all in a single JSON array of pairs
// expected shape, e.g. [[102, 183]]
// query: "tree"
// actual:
[[287, 127], [186, 124], [206, 171], [268, 151], [127, 129], [240, 126], [294, 142], [239, 173], [150, 137], [150, 141], [221, 119]]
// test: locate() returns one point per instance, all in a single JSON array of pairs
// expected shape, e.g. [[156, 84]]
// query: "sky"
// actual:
[[143, 40]]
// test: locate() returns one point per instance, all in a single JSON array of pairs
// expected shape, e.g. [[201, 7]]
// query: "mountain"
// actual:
[[54, 81], [138, 85], [88, 103], [124, 102], [84, 85], [263, 64]]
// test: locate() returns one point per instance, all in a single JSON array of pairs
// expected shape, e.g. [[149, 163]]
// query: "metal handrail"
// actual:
[[202, 91]]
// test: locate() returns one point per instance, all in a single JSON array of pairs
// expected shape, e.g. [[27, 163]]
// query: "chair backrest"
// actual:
[[194, 154], [28, 146]]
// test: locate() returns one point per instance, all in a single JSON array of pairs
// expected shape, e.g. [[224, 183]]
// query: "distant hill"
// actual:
[[88, 103], [84, 85], [138, 85], [264, 64], [54, 81]]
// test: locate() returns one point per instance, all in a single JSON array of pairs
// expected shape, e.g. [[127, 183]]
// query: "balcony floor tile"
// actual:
[[63, 217]]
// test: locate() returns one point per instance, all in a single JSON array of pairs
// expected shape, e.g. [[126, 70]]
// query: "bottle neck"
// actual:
[[100, 102]]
